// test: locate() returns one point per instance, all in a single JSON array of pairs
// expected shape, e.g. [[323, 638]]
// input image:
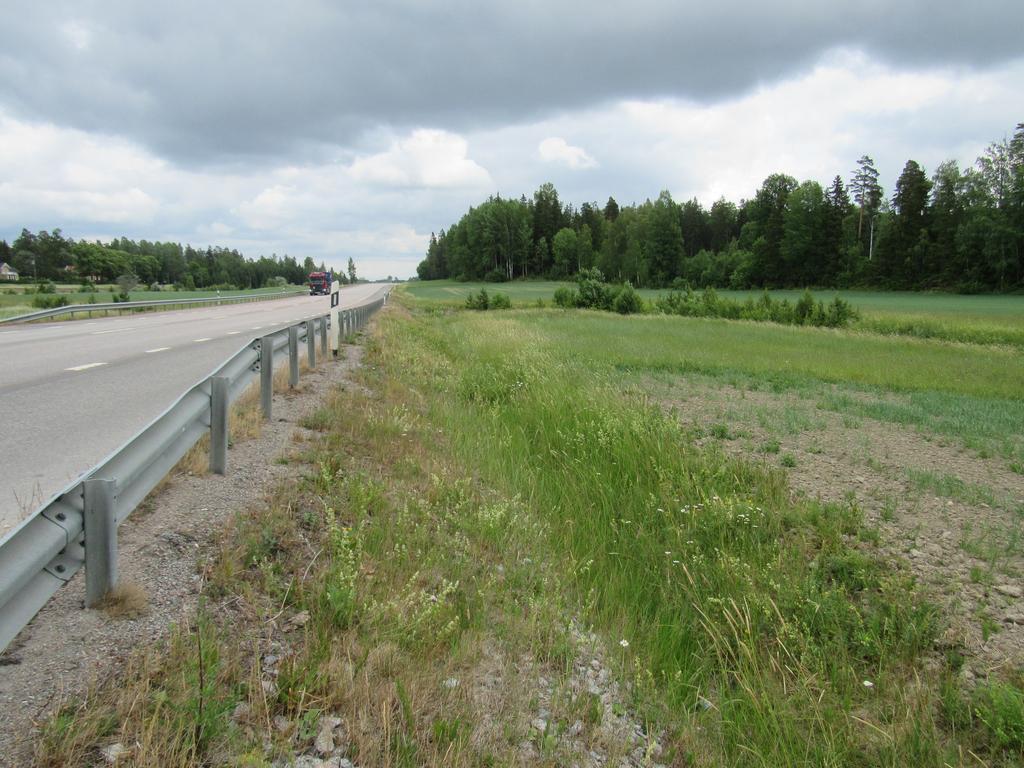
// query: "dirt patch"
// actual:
[[952, 515], [66, 647]]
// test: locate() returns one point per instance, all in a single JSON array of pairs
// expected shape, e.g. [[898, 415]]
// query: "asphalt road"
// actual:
[[73, 392]]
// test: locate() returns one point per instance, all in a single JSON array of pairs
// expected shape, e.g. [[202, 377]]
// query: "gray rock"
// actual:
[[114, 753], [324, 743]]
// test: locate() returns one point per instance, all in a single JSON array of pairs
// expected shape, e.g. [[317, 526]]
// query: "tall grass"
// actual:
[[755, 615]]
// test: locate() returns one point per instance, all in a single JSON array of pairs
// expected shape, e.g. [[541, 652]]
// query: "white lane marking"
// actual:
[[233, 333], [113, 330], [158, 349], [84, 367], [205, 338], [256, 327]]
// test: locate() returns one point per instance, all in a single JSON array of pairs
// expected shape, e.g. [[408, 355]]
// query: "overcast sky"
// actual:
[[342, 129]]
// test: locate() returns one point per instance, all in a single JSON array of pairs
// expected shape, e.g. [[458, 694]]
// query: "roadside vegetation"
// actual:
[[500, 483]]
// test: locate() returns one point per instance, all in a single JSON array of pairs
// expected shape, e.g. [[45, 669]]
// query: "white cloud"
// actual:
[[426, 158], [72, 174], [555, 149], [77, 34], [816, 126]]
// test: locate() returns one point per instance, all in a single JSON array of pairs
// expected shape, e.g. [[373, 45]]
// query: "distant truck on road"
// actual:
[[320, 283]]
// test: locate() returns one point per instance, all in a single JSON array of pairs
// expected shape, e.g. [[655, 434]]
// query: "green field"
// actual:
[[15, 301], [993, 319]]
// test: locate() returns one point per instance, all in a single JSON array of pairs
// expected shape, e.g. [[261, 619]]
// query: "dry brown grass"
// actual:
[[125, 601]]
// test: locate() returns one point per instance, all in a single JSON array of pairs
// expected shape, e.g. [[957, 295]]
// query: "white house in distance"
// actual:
[[7, 272]]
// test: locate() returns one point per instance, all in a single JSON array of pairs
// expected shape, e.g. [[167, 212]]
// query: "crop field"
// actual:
[[536, 536], [973, 319], [17, 300]]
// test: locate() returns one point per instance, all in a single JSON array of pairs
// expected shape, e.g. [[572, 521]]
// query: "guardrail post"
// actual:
[[293, 356], [100, 541], [323, 337], [267, 376], [311, 343], [220, 386]]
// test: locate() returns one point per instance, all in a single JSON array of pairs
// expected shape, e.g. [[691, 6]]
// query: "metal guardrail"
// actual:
[[123, 306], [49, 547]]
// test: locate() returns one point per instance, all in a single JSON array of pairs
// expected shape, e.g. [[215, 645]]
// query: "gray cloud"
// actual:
[[220, 83]]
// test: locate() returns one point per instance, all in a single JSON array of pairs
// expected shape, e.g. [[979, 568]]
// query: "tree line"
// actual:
[[959, 229], [48, 255]]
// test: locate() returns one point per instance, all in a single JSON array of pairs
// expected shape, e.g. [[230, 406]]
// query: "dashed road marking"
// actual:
[[205, 338], [158, 349], [113, 330], [84, 367], [233, 333]]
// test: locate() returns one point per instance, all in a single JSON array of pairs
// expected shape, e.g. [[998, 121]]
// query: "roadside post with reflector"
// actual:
[[335, 320]]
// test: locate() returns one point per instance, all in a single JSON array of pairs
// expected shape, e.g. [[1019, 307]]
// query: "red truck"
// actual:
[[319, 283]]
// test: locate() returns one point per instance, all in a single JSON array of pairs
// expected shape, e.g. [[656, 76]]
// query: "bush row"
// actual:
[[484, 300], [593, 293], [806, 311]]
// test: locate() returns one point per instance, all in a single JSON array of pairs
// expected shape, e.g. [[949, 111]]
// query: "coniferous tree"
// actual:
[[866, 190], [837, 208], [611, 210]]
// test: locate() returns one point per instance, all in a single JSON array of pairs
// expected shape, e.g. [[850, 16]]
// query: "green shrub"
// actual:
[[484, 301], [478, 300], [43, 301], [592, 292], [627, 301], [565, 297], [495, 276]]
